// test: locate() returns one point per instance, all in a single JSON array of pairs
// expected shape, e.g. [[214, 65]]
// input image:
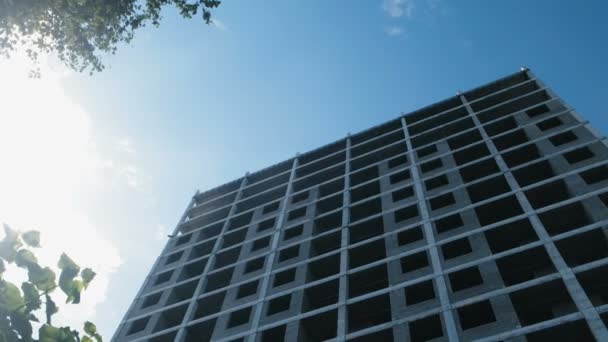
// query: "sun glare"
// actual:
[[49, 163]]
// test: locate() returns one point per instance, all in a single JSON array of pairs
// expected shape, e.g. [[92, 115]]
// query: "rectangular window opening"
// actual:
[[367, 281], [323, 268], [465, 279], [548, 194], [456, 248], [510, 235], [565, 218], [170, 318], [209, 305], [479, 170], [365, 191], [542, 302], [420, 292], [321, 327], [321, 295], [498, 210], [410, 235], [426, 329], [475, 315], [523, 266], [360, 316], [414, 262], [325, 244], [488, 189], [366, 229], [367, 253]]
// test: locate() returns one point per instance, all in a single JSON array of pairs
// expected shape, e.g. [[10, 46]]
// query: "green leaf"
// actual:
[[67, 335], [85, 339], [48, 333], [31, 238], [87, 276], [65, 262], [10, 244], [43, 278], [31, 296], [10, 233], [25, 258], [51, 308], [90, 328], [2, 267], [69, 286], [10, 297], [22, 325]]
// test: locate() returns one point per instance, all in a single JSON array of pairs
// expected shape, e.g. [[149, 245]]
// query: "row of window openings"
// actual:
[[466, 123], [335, 202], [324, 190], [556, 221], [541, 196], [504, 142], [390, 132], [510, 140], [470, 137], [460, 111], [499, 239], [492, 129], [322, 326], [480, 150], [476, 152], [527, 175], [514, 269], [487, 214], [532, 305], [237, 237], [590, 177]]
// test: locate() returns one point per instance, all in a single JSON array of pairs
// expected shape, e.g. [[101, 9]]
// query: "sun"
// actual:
[[49, 165]]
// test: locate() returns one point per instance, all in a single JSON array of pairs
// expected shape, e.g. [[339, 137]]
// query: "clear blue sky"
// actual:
[[202, 105]]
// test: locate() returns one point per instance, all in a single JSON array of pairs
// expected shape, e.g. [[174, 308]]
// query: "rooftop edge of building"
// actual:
[[410, 118]]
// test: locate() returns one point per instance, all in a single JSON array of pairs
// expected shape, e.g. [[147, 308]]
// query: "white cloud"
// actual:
[[50, 164], [394, 30], [121, 168], [126, 145], [426, 12], [398, 8], [218, 24], [161, 232]]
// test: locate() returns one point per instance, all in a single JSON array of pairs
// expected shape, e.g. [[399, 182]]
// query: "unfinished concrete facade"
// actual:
[[481, 217]]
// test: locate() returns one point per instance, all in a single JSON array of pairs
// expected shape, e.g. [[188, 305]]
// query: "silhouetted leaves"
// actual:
[[32, 238], [87, 276], [31, 296], [17, 307], [79, 31], [10, 244], [25, 258], [10, 297]]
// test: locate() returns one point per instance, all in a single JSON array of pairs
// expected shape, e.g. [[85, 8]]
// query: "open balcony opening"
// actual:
[[367, 281], [320, 327], [369, 313], [523, 266], [542, 302], [321, 295]]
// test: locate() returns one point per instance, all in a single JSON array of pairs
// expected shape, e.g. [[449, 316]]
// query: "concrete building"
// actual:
[[481, 217]]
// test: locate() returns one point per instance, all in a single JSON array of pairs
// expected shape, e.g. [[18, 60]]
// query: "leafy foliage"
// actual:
[[18, 308], [79, 30]]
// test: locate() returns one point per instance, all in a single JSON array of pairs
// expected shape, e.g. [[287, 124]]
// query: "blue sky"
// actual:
[[189, 106]]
